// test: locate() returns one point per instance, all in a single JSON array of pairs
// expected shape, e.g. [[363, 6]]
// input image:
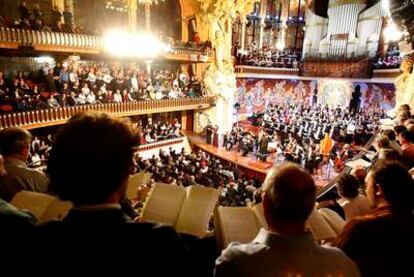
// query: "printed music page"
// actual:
[[335, 221], [197, 210], [358, 163], [132, 187], [163, 204], [319, 227], [237, 224], [258, 209], [57, 210], [35, 202]]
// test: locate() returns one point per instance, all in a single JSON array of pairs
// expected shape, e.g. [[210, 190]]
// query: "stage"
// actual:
[[249, 164]]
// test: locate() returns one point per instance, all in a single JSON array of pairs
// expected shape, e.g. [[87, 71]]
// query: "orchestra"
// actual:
[[296, 133]]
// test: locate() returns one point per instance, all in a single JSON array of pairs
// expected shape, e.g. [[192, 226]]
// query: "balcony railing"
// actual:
[[11, 38], [52, 41], [386, 73], [50, 117], [336, 67], [246, 70]]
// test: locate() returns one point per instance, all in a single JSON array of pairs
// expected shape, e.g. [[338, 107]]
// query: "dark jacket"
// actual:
[[108, 240], [379, 243]]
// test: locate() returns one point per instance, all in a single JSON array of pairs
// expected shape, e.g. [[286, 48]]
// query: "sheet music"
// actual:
[[238, 224], [319, 227], [335, 221], [196, 210], [57, 210], [358, 163], [35, 202], [163, 204]]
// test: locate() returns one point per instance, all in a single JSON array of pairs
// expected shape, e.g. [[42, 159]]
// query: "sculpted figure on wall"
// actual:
[[404, 85], [219, 15]]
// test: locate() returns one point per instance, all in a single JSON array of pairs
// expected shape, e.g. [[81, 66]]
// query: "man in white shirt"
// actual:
[[15, 144], [287, 248]]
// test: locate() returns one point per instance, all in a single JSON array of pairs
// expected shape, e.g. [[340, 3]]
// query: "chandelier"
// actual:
[[117, 5]]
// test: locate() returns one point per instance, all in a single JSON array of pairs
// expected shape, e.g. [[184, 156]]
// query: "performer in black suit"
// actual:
[[209, 134], [97, 235], [263, 146], [356, 100]]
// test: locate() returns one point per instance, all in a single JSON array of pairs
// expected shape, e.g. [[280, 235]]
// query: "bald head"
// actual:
[[291, 193]]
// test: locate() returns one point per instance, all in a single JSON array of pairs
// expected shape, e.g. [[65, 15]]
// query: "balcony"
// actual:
[[50, 117], [246, 71], [337, 68], [386, 73], [11, 38]]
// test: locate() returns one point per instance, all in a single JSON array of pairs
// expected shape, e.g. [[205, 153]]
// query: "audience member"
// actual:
[[287, 248], [380, 241], [96, 235], [15, 144], [352, 202]]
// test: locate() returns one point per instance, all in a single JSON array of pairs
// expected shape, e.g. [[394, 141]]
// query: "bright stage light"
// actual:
[[280, 45], [385, 4], [139, 45], [44, 59], [392, 32]]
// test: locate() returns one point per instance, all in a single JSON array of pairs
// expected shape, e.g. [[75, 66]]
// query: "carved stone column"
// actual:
[[132, 15], [148, 17], [261, 33], [243, 33], [69, 7], [60, 4], [263, 5], [281, 39]]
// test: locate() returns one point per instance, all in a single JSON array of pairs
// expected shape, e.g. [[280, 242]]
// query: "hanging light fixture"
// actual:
[[117, 5]]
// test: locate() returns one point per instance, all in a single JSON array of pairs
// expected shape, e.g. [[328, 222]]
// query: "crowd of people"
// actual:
[[200, 168], [269, 57], [150, 132], [33, 18], [294, 133], [65, 85], [374, 241], [390, 60]]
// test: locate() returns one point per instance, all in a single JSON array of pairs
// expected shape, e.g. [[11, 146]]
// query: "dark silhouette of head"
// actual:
[[91, 158], [290, 192]]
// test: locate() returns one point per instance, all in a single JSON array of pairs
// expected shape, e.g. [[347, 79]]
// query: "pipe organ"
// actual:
[[316, 27], [351, 29]]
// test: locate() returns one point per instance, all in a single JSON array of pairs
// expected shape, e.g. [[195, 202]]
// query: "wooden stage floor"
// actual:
[[250, 163], [231, 156]]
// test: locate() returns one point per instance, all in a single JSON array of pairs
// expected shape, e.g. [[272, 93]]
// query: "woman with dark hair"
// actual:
[[352, 202], [378, 242]]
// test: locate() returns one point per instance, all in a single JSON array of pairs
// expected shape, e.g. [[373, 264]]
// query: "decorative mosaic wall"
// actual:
[[254, 95]]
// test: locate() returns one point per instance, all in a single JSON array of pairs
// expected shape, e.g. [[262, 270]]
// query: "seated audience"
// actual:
[[287, 248], [352, 202], [96, 235], [11, 218], [380, 241], [15, 147]]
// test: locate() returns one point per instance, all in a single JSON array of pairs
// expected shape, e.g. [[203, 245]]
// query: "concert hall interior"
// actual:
[[208, 137]]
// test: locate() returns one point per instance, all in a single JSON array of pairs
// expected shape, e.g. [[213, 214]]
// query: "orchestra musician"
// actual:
[[209, 133]]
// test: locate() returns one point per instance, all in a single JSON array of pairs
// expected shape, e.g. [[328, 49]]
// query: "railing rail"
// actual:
[[44, 40], [33, 38], [49, 117], [246, 69]]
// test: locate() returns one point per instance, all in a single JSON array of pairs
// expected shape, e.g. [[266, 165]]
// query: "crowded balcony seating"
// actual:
[[269, 57], [391, 60], [33, 18], [65, 85]]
